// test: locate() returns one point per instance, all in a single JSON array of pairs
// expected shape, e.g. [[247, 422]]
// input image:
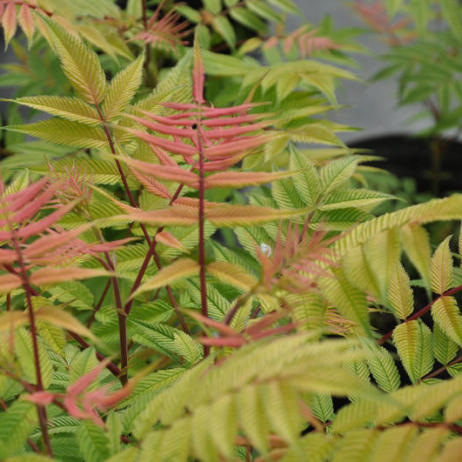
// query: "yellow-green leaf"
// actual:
[[232, 274], [180, 269], [69, 108], [122, 88], [446, 314], [441, 275], [400, 294], [80, 64]]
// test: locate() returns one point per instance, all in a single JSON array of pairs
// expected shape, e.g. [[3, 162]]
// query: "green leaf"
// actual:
[[64, 132], [263, 10], [248, 19], [414, 344], [189, 13], [122, 88], [382, 367], [80, 64], [286, 5], [336, 173], [66, 107], [349, 301], [224, 28], [24, 349], [214, 6], [15, 426], [359, 198], [452, 13], [444, 348], [93, 442]]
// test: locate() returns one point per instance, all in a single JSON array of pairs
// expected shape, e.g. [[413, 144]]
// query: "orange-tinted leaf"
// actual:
[[235, 131], [9, 282], [45, 276], [240, 179], [265, 322], [175, 147], [179, 269], [37, 227], [153, 186], [173, 216], [169, 240], [59, 317], [18, 200], [222, 341], [236, 215], [26, 22], [164, 172], [7, 256], [233, 147], [248, 118], [9, 22], [13, 319], [198, 73], [232, 274], [223, 328], [51, 241]]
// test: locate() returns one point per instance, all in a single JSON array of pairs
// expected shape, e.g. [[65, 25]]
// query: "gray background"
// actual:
[[370, 106]]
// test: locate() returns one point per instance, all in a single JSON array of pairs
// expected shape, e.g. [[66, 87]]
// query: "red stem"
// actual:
[[421, 312], [110, 367], [99, 304], [203, 282], [442, 368], [132, 201], [41, 411]]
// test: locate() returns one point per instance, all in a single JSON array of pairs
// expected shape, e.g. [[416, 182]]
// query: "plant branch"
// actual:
[[147, 59], [203, 282], [132, 201], [41, 411], [421, 312], [110, 366], [99, 304], [442, 368]]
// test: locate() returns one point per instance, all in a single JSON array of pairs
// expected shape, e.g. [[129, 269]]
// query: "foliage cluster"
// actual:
[[200, 275], [423, 40]]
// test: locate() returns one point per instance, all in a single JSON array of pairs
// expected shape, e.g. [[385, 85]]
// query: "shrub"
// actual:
[[183, 280]]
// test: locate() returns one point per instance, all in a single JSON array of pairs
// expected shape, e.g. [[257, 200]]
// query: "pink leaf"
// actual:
[[31, 208], [9, 282], [176, 148], [42, 398], [153, 186], [43, 224], [230, 132], [169, 240], [231, 120], [233, 147], [160, 128], [50, 275], [26, 21], [9, 22], [21, 198], [164, 172], [198, 73]]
